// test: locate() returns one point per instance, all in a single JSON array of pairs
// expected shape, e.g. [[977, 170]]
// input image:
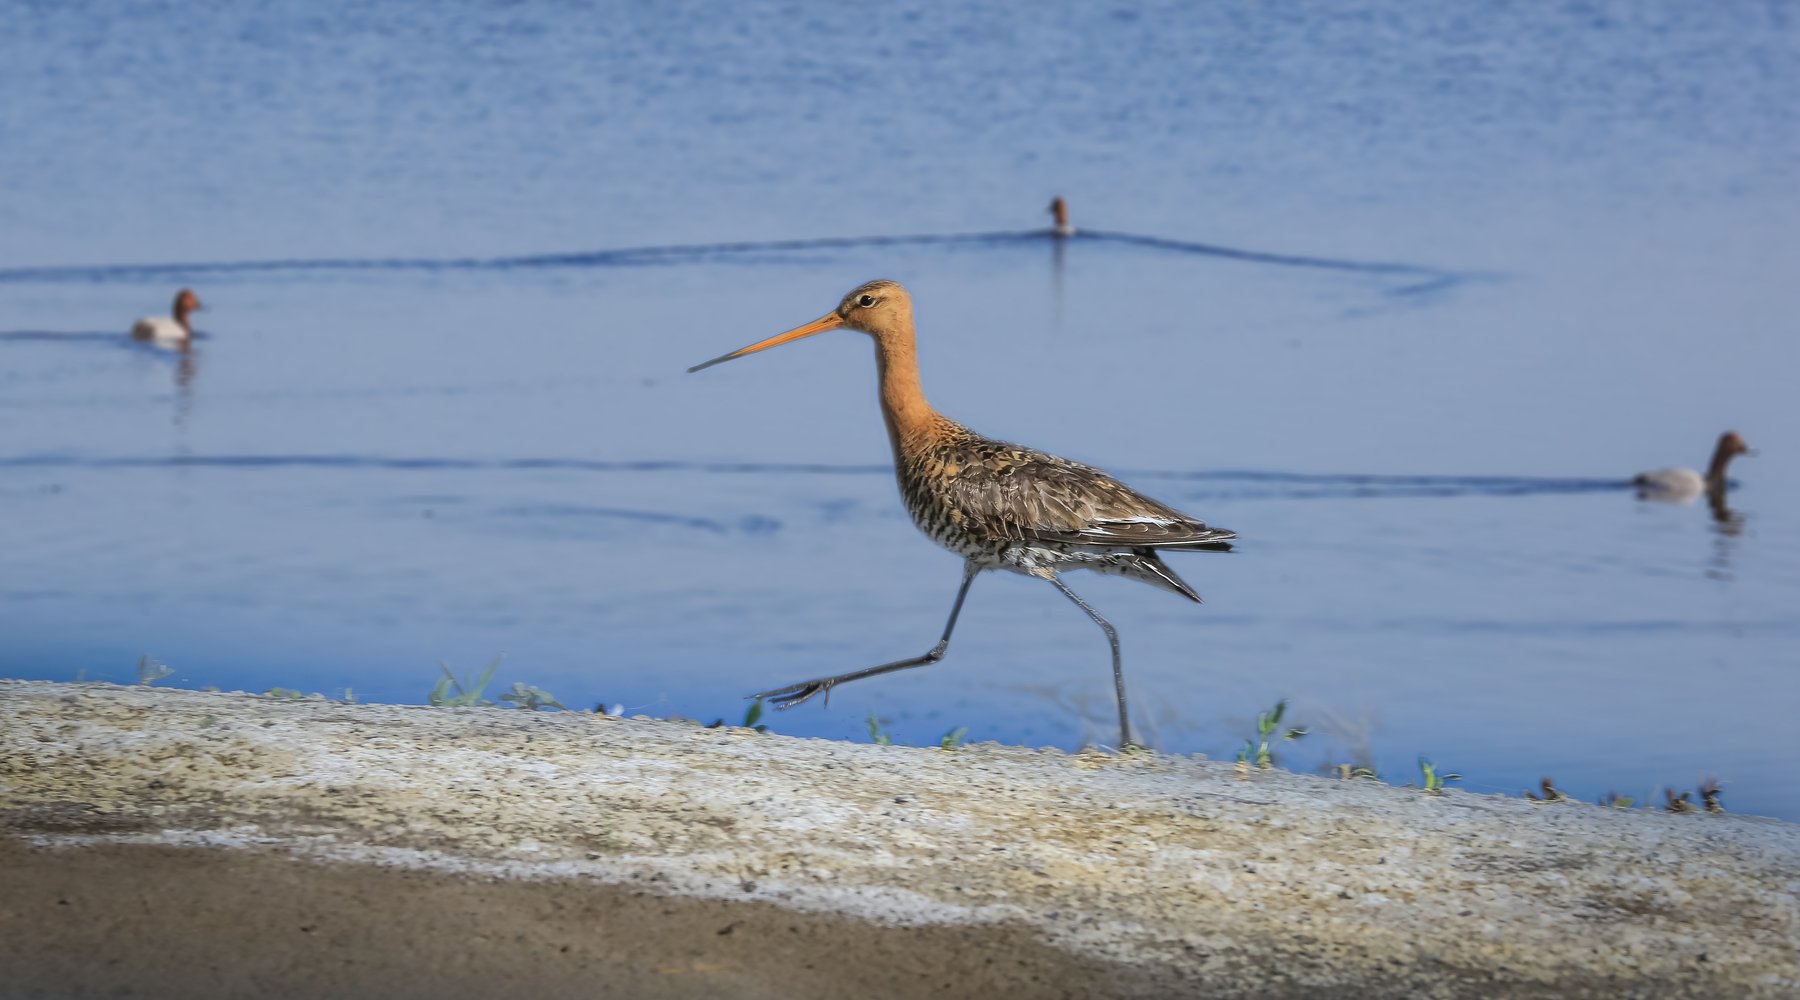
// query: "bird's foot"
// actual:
[[798, 694]]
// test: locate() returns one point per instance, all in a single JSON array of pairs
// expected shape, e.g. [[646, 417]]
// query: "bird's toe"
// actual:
[[793, 694]]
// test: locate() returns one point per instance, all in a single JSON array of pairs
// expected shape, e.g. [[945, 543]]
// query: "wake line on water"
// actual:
[[1239, 483], [63, 337], [1429, 278], [1306, 485]]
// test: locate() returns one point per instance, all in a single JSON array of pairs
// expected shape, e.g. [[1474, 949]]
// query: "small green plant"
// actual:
[[451, 692], [1551, 792], [877, 735], [283, 694], [1613, 800], [752, 718], [1683, 803], [349, 697], [531, 698], [954, 738], [1709, 795], [150, 671], [1434, 779], [1345, 772], [1258, 750]]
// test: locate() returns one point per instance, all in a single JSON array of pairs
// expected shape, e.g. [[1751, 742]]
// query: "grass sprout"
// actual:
[[531, 698], [752, 718], [1709, 796], [1433, 778], [150, 671], [453, 692], [1260, 750], [1551, 792]]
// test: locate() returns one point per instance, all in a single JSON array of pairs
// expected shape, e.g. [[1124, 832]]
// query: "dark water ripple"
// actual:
[[1246, 483], [1428, 279], [64, 336], [750, 524]]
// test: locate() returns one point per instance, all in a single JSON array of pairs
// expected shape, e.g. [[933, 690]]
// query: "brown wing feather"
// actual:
[[1012, 493]]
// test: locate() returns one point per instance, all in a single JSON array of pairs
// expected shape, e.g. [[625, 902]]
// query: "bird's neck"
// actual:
[[904, 408], [181, 318], [1715, 473]]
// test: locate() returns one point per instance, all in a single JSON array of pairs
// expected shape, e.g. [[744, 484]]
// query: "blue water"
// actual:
[[1402, 294]]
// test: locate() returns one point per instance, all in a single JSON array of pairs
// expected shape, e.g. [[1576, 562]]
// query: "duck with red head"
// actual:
[[172, 330], [1059, 213], [1683, 485], [999, 506]]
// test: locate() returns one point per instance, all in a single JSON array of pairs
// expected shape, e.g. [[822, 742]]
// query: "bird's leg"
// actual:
[[795, 694], [1112, 636]]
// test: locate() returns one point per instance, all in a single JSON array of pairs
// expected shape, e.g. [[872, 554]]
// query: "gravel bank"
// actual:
[[200, 844]]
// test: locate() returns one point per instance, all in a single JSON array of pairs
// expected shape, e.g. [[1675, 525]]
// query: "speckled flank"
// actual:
[[1276, 885], [1004, 506]]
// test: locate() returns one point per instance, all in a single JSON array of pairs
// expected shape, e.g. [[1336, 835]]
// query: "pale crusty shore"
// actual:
[[179, 843]]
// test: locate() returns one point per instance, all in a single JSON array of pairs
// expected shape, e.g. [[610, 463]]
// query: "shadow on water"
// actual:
[[1728, 528], [1725, 520], [1228, 483], [1419, 280]]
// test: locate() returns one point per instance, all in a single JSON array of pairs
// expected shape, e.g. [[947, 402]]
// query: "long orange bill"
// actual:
[[829, 321]]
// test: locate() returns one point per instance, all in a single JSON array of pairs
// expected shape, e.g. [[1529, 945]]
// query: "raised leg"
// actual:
[[795, 694], [1112, 636]]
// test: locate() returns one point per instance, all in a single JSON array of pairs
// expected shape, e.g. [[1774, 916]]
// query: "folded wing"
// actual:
[[1018, 494]]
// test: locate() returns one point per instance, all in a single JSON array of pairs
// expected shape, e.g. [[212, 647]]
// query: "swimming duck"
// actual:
[[169, 331], [1059, 213], [1682, 485]]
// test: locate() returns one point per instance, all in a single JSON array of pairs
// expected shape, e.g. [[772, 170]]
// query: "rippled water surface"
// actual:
[[1403, 295]]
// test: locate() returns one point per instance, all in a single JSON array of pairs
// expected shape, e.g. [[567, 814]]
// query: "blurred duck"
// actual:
[[172, 330], [1059, 211], [1682, 485]]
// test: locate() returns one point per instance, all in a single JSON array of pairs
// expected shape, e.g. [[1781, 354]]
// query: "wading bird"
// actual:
[[998, 505], [172, 330]]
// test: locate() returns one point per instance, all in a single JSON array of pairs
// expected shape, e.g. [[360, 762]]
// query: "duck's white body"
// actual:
[[1670, 485], [162, 331], [172, 330]]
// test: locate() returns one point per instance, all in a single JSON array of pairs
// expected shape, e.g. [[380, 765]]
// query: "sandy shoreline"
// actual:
[[183, 843]]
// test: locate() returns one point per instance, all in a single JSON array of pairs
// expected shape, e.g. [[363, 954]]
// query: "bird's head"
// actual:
[[879, 308]]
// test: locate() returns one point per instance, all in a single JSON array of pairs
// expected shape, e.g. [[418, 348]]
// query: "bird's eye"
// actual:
[[865, 300]]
